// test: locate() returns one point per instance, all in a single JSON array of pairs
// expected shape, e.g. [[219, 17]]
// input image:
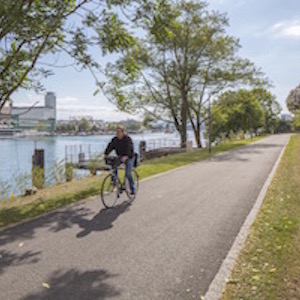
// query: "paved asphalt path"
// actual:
[[168, 244]]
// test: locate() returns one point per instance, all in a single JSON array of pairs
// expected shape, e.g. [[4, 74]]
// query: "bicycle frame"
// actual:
[[115, 176]]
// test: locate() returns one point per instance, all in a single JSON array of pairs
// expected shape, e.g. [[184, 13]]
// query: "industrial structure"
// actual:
[[21, 118]]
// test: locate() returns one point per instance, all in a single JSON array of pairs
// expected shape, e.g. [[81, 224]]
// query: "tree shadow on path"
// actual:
[[76, 285], [62, 220], [102, 221], [9, 259], [54, 221]]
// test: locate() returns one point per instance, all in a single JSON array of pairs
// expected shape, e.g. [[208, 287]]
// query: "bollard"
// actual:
[[189, 146], [81, 158], [38, 170], [142, 150]]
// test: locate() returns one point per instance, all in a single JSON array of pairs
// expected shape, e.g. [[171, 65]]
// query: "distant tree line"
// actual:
[[90, 126]]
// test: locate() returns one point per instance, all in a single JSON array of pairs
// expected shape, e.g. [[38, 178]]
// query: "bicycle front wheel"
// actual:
[[110, 191]]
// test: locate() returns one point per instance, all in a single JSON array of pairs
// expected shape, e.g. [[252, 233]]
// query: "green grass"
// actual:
[[15, 210], [269, 265]]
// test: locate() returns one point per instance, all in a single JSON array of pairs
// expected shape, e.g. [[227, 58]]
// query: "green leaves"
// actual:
[[181, 59], [296, 122], [31, 29], [236, 111], [112, 34], [293, 100]]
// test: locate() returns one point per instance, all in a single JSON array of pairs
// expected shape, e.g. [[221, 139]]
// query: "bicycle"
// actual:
[[113, 187]]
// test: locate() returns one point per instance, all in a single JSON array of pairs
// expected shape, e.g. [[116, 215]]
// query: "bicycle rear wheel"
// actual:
[[135, 177], [110, 191]]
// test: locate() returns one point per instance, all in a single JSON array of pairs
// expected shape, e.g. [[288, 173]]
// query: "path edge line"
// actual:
[[218, 284]]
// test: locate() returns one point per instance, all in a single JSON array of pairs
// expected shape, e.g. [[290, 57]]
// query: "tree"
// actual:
[[172, 76], [296, 122], [219, 68], [95, 128], [84, 125], [293, 100], [283, 126], [139, 78], [147, 121], [30, 29], [236, 111], [271, 108]]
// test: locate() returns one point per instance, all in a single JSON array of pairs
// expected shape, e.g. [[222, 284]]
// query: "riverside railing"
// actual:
[[162, 143], [80, 152]]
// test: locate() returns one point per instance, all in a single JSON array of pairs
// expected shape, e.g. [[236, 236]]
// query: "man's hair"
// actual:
[[121, 127]]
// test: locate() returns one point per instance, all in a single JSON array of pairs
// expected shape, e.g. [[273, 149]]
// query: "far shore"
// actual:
[[48, 134]]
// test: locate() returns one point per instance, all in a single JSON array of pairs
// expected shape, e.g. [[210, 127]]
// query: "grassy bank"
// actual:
[[269, 265], [12, 211]]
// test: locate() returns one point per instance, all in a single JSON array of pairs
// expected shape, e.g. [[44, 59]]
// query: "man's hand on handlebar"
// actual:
[[124, 158]]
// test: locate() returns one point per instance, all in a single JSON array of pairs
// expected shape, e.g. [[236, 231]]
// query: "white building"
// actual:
[[42, 118]]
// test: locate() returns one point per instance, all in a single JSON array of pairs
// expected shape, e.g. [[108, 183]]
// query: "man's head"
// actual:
[[120, 132]]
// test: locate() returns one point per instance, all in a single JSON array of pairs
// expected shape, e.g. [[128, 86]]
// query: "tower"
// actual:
[[50, 100], [50, 104]]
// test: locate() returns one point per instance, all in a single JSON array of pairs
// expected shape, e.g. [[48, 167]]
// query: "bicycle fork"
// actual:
[[121, 187]]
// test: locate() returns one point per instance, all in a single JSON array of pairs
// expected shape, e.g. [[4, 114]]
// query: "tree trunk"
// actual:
[[197, 131], [183, 137], [198, 135], [183, 122]]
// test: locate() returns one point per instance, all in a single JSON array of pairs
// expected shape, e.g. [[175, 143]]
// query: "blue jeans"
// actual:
[[128, 172]]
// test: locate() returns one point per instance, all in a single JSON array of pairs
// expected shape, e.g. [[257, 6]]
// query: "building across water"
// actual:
[[39, 118]]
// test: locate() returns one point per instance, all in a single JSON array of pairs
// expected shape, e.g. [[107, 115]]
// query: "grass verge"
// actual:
[[12, 211], [269, 266]]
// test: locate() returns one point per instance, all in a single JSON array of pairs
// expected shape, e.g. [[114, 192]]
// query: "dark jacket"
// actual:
[[123, 147]]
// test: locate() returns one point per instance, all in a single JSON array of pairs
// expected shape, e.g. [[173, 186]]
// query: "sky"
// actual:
[[269, 33]]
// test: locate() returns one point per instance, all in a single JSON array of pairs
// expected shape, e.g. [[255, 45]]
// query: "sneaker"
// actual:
[[132, 193]]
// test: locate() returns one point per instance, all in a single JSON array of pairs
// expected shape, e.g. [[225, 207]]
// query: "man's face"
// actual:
[[120, 133]]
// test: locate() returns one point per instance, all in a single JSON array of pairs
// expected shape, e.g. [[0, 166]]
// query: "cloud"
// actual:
[[29, 99], [287, 29], [68, 99], [70, 106]]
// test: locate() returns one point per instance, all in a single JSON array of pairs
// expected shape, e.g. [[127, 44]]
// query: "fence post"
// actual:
[[81, 158], [189, 146], [38, 170], [90, 154], [142, 150], [66, 153]]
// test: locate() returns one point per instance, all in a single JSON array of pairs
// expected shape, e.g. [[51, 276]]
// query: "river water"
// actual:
[[16, 155]]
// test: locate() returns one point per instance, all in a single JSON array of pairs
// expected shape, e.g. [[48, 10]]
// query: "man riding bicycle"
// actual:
[[123, 146]]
